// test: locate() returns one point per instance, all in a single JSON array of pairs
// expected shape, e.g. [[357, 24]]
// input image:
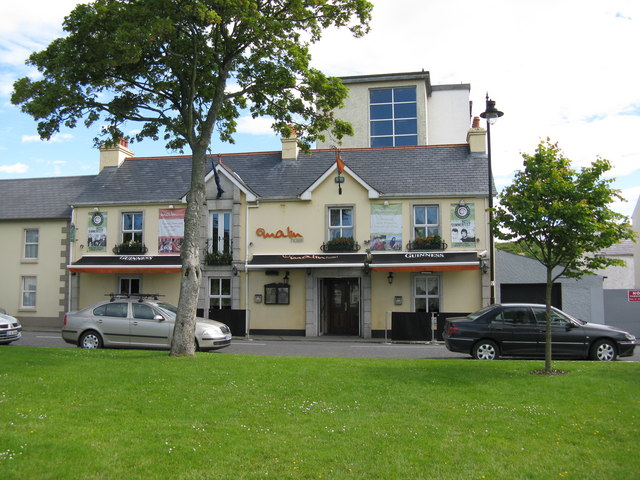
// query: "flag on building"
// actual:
[[339, 162]]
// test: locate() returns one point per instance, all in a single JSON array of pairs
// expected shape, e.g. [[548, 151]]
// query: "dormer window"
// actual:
[[393, 117]]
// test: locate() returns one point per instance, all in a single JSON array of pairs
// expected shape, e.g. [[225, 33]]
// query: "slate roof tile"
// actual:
[[37, 198], [430, 171]]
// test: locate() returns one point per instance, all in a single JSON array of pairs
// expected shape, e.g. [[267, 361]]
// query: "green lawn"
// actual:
[[71, 413]]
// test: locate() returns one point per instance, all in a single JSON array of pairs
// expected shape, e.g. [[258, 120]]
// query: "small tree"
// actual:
[[169, 65], [561, 217]]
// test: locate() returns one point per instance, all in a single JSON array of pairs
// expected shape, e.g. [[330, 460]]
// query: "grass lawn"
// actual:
[[71, 413]]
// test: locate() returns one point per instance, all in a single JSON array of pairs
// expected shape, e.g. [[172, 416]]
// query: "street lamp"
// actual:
[[491, 115]]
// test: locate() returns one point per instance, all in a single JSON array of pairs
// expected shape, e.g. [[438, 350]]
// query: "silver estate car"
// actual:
[[10, 328], [136, 321]]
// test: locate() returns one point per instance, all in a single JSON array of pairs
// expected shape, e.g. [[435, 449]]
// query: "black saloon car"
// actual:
[[519, 330]]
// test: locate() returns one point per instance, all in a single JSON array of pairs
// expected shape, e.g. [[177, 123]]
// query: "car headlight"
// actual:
[[211, 332], [629, 337]]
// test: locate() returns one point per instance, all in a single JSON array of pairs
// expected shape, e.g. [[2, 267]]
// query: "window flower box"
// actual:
[[427, 243], [341, 244], [129, 248], [218, 258]]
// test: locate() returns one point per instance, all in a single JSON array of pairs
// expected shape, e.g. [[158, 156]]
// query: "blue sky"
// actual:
[[566, 70]]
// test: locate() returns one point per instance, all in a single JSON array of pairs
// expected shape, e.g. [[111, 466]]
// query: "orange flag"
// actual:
[[339, 162]]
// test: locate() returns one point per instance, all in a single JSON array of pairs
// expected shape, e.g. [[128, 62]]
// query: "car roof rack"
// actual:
[[139, 296]]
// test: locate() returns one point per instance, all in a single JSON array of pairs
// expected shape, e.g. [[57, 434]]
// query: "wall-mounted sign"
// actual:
[[386, 227], [276, 294], [170, 230], [463, 225], [97, 232], [634, 295], [261, 232]]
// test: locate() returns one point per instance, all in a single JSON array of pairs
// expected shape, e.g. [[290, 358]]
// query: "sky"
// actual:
[[566, 70]]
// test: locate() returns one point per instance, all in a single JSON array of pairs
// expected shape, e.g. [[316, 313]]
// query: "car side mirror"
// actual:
[[569, 326], [159, 318]]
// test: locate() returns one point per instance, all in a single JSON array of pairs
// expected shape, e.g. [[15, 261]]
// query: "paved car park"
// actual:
[[298, 347]]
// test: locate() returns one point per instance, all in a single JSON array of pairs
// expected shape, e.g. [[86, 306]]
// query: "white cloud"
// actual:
[[15, 168], [631, 196], [255, 126], [56, 138]]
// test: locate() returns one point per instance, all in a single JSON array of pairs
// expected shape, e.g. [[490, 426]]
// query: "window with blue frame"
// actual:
[[393, 116]]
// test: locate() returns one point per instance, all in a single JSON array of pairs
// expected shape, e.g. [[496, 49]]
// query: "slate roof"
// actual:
[[39, 198], [395, 172], [159, 180], [425, 171], [626, 247]]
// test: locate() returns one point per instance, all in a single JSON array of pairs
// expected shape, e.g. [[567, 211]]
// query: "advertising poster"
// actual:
[[97, 232], [170, 230], [386, 227], [463, 225]]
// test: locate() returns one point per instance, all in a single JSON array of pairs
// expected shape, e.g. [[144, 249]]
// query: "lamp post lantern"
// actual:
[[491, 115]]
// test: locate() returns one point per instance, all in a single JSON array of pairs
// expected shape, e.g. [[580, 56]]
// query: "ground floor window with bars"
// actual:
[[219, 293]]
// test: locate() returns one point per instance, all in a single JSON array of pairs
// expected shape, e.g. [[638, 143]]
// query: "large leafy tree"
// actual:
[[184, 69], [561, 217]]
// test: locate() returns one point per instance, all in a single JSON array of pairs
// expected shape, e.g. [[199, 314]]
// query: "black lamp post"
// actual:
[[491, 114]]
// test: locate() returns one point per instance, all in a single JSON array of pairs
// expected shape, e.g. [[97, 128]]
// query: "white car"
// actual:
[[136, 321], [10, 328]]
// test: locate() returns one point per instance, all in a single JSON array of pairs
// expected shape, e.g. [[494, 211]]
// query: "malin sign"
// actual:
[[634, 295]]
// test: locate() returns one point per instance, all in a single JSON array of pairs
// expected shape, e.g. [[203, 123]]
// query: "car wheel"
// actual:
[[485, 350], [604, 351], [90, 339]]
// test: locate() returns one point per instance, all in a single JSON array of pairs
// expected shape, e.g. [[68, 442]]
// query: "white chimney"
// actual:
[[290, 147], [115, 155], [476, 137]]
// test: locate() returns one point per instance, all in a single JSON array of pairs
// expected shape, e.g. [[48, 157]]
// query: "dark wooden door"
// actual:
[[342, 301]]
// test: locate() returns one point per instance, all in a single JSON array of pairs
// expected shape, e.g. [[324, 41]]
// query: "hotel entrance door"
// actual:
[[341, 299]]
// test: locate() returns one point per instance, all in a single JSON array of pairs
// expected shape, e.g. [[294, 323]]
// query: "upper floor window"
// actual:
[[340, 222], [220, 241], [132, 227], [31, 243], [29, 289], [393, 117], [426, 221]]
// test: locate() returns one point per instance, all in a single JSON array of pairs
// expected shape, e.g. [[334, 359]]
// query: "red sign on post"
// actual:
[[634, 295]]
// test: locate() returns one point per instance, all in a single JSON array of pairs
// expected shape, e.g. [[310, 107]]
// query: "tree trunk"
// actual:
[[547, 347], [183, 342]]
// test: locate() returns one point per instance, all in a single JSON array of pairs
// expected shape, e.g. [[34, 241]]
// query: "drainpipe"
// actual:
[[247, 324], [70, 257]]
